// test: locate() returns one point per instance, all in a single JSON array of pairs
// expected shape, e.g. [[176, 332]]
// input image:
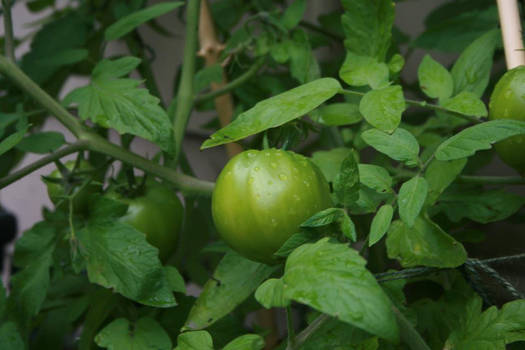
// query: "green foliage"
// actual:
[[115, 102], [402, 159]]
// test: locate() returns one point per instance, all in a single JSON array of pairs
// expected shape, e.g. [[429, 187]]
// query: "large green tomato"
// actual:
[[57, 193], [261, 198], [508, 102], [157, 212]]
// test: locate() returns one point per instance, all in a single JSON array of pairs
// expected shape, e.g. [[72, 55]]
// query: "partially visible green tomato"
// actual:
[[261, 198], [508, 102], [157, 212], [57, 192]]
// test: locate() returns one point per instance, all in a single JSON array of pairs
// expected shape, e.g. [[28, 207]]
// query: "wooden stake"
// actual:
[[210, 50], [509, 17]]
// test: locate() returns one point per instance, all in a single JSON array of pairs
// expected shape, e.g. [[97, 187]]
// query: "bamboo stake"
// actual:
[[210, 50], [509, 17]]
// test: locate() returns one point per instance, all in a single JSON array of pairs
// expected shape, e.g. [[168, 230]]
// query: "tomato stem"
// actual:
[[9, 45], [185, 92]]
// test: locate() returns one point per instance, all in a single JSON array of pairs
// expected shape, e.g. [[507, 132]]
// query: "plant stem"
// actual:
[[185, 92], [290, 327], [423, 104], [233, 84], [10, 70], [408, 333], [308, 331], [9, 179], [94, 142], [187, 184], [9, 44]]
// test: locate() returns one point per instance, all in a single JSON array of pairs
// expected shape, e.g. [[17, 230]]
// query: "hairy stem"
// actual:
[[409, 335], [233, 84], [308, 331], [291, 330], [423, 104], [11, 71], [9, 44], [94, 142], [185, 92]]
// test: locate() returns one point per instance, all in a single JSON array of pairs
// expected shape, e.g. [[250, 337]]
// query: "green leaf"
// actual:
[[330, 161], [144, 334], [463, 20], [303, 64], [401, 145], [412, 196], [324, 217], [375, 177], [396, 64], [42, 142], [478, 137], [37, 240], [346, 184], [332, 278], [367, 26], [119, 257], [126, 24], [368, 201], [15, 138], [440, 174], [337, 114], [175, 280], [363, 70], [64, 58], [10, 337], [293, 14], [246, 342], [29, 286], [337, 335], [482, 206], [228, 288], [466, 103], [471, 72], [271, 294], [276, 111], [198, 340], [121, 104], [296, 240], [434, 79], [383, 108], [61, 41], [329, 216], [490, 330], [380, 224], [423, 244]]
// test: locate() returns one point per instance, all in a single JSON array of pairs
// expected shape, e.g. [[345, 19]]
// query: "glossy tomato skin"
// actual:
[[508, 102], [56, 191], [261, 198], [158, 213]]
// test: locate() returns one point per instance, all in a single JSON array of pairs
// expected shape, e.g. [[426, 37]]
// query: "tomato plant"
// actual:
[[261, 198], [337, 167], [155, 210]]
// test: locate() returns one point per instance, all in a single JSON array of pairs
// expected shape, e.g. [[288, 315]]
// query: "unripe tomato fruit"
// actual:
[[508, 102], [57, 193], [261, 198], [157, 212]]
